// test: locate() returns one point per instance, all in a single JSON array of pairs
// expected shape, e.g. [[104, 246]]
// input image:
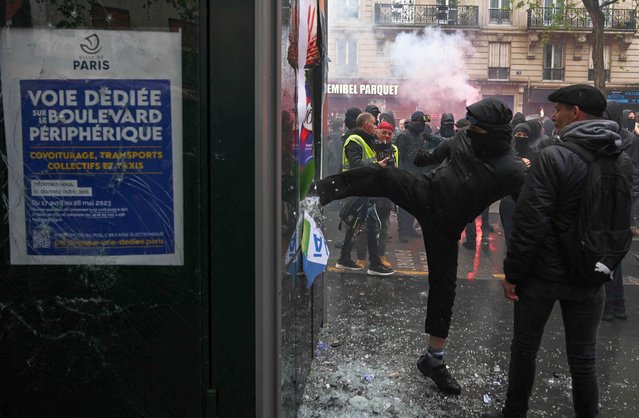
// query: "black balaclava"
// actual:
[[522, 145], [630, 122], [493, 116], [417, 126], [417, 122], [447, 126]]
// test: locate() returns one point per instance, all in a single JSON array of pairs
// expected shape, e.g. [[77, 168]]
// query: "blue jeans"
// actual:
[[581, 310]]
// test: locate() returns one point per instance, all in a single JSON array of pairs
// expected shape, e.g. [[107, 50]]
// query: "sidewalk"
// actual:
[[365, 363]]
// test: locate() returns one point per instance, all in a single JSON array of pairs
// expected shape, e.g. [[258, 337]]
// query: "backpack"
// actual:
[[351, 208], [600, 236]]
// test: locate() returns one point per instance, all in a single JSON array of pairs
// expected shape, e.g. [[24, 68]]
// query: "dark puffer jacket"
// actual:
[[549, 201], [472, 176]]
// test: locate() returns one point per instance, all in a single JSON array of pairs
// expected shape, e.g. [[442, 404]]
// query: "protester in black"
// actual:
[[630, 120], [615, 304], [409, 143], [517, 119], [526, 148], [333, 149], [477, 167], [373, 110], [387, 117]]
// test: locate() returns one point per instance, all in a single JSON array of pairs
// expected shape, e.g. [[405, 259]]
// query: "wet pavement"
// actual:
[[364, 364]]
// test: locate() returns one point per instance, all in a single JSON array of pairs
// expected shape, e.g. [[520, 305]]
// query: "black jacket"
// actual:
[[409, 143], [629, 142], [464, 184], [549, 202]]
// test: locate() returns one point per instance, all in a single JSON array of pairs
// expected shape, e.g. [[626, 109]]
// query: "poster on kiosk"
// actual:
[[93, 128]]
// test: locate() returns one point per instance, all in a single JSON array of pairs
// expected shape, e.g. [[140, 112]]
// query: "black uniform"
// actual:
[[474, 172], [409, 144]]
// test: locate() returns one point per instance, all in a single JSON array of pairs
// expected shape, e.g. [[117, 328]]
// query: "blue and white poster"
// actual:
[[93, 125]]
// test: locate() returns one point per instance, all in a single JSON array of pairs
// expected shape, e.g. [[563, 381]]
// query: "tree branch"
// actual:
[[607, 3]]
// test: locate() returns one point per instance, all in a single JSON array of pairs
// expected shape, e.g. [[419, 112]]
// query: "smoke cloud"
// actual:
[[433, 66]]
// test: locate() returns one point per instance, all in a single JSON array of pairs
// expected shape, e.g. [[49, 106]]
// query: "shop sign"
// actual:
[[93, 125], [624, 97], [363, 89]]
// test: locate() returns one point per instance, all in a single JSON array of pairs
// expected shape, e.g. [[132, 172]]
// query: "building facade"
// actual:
[[518, 55]]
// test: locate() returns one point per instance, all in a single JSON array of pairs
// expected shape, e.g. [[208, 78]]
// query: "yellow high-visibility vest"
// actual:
[[369, 154]]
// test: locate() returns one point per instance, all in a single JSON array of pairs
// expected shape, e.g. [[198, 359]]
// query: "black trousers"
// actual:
[[581, 310], [471, 228], [368, 239], [383, 211], [506, 212], [405, 221], [411, 192]]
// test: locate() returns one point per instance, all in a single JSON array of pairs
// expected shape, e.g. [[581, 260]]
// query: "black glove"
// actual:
[[423, 158]]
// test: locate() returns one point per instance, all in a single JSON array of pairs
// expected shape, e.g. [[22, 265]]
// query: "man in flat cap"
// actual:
[[535, 266], [477, 167]]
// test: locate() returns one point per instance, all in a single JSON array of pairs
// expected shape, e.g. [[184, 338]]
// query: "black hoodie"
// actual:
[[549, 202], [493, 116], [409, 143], [523, 145], [517, 119], [465, 183], [447, 126]]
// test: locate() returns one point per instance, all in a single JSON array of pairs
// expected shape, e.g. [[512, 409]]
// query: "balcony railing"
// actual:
[[553, 74], [575, 18], [426, 15], [500, 16]]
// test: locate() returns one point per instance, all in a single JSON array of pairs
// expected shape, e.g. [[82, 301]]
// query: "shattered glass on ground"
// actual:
[[364, 364]]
